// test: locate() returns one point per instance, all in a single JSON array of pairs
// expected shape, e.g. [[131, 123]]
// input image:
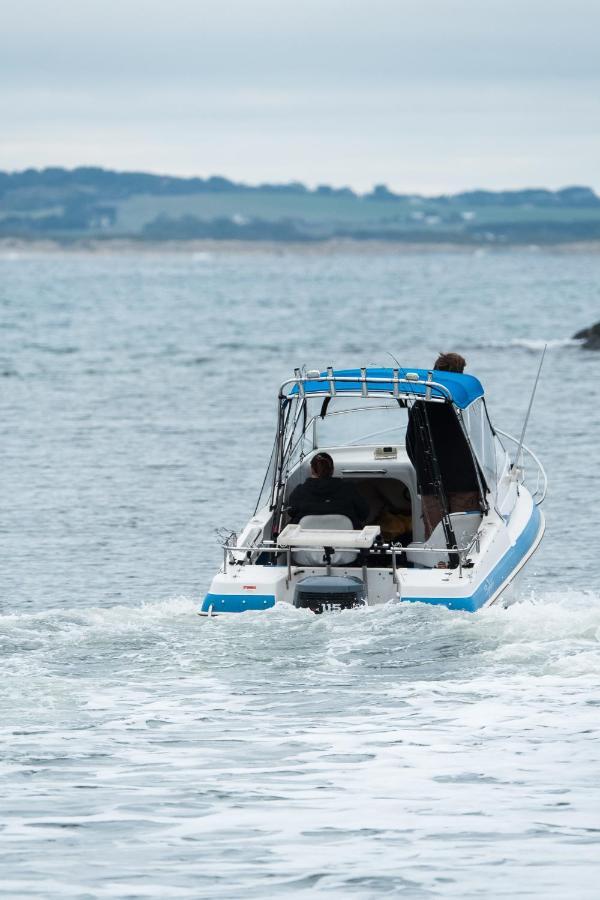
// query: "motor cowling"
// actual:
[[329, 593]]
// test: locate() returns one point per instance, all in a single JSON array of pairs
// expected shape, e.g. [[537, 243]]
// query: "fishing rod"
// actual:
[[432, 465], [515, 465]]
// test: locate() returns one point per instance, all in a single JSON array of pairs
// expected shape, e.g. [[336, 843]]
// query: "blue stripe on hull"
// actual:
[[499, 574], [236, 603]]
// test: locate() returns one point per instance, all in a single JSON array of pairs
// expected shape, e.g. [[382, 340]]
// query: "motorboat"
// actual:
[[323, 562]]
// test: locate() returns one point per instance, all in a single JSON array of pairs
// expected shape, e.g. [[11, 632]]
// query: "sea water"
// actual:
[[392, 751]]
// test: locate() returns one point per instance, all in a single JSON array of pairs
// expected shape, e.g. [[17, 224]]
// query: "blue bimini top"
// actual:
[[462, 389]]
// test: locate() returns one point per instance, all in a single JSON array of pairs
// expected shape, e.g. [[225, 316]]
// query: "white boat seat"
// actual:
[[465, 526], [313, 533]]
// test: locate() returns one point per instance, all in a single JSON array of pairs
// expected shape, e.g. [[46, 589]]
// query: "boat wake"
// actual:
[[554, 631], [404, 726], [31, 631]]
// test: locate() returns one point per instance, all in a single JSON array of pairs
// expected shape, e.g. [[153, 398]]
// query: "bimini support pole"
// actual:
[[428, 443], [395, 574]]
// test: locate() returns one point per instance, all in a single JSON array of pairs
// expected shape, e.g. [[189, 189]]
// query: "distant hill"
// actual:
[[73, 204]]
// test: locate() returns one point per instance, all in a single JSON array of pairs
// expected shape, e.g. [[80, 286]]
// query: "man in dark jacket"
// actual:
[[457, 469], [324, 495]]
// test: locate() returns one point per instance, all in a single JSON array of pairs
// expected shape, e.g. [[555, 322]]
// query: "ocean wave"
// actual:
[[28, 631], [534, 345]]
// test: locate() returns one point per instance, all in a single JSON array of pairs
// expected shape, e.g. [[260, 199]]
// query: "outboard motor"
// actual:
[[328, 593]]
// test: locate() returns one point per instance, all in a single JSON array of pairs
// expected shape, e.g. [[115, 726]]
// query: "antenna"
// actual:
[[393, 357], [525, 423]]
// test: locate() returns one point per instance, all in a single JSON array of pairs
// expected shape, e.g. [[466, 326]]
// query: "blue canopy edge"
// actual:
[[463, 389]]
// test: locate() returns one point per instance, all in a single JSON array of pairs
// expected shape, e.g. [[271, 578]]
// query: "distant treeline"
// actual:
[[125, 184], [68, 204]]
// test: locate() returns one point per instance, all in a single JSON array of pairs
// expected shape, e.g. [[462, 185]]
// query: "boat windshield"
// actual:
[[352, 421]]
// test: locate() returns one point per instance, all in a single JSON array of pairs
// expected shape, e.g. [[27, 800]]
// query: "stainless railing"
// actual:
[[541, 479], [395, 550], [331, 380]]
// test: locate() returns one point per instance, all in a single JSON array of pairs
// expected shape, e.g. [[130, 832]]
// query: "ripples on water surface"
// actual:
[[391, 751]]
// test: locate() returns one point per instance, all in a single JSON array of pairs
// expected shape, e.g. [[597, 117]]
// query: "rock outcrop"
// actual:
[[590, 337]]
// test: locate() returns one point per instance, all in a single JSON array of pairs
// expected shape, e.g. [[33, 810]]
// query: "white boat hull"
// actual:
[[504, 548]]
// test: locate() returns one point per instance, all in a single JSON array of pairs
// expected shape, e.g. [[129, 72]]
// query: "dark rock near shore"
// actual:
[[590, 336]]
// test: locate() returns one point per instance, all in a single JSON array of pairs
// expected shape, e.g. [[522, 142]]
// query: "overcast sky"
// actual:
[[424, 95]]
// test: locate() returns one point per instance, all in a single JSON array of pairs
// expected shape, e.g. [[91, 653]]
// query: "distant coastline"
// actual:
[[100, 208], [14, 247]]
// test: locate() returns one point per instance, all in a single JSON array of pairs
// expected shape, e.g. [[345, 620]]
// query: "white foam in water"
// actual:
[[387, 749], [406, 750], [533, 344]]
